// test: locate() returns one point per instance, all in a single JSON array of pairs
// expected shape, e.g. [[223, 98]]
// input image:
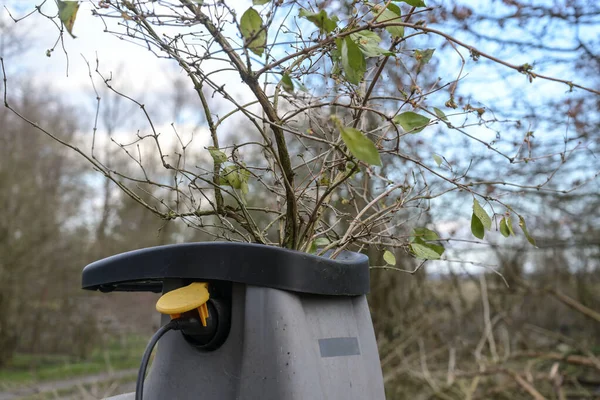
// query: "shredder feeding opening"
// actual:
[[251, 264]]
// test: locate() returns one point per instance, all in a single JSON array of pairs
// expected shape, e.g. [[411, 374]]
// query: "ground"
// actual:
[[110, 370]]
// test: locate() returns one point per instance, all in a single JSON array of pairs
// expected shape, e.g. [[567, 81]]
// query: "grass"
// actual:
[[72, 391], [26, 369]]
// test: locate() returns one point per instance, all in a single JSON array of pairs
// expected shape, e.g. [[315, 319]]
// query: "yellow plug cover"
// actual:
[[184, 299]]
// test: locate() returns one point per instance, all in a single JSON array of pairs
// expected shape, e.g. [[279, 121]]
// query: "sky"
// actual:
[[142, 72]]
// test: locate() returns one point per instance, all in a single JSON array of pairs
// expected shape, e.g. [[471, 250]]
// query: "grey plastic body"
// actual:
[[282, 345]]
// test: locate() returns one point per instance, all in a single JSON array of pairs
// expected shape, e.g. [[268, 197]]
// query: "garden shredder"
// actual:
[[249, 321]]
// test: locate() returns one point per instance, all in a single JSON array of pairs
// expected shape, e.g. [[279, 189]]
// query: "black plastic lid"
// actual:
[[251, 264]]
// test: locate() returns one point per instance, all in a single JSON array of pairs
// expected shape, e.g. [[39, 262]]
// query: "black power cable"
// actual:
[[139, 384], [175, 324]]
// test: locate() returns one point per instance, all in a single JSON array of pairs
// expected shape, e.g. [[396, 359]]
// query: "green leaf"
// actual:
[[391, 13], [313, 247], [244, 174], [423, 252], [360, 146], [324, 181], [320, 19], [423, 234], [368, 42], [440, 114], [504, 228], [231, 177], [217, 155], [374, 51], [482, 215], [422, 249], [389, 257], [509, 226], [244, 187], [353, 61], [253, 32], [424, 56], [523, 226], [438, 248], [236, 177], [438, 160], [365, 37], [321, 242], [260, 2], [415, 3], [477, 228], [67, 12], [411, 122], [426, 251], [350, 167], [287, 84]]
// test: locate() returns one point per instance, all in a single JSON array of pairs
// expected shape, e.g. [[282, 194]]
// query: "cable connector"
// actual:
[[186, 324]]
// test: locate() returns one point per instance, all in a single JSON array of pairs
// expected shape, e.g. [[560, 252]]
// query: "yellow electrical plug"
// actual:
[[184, 299]]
